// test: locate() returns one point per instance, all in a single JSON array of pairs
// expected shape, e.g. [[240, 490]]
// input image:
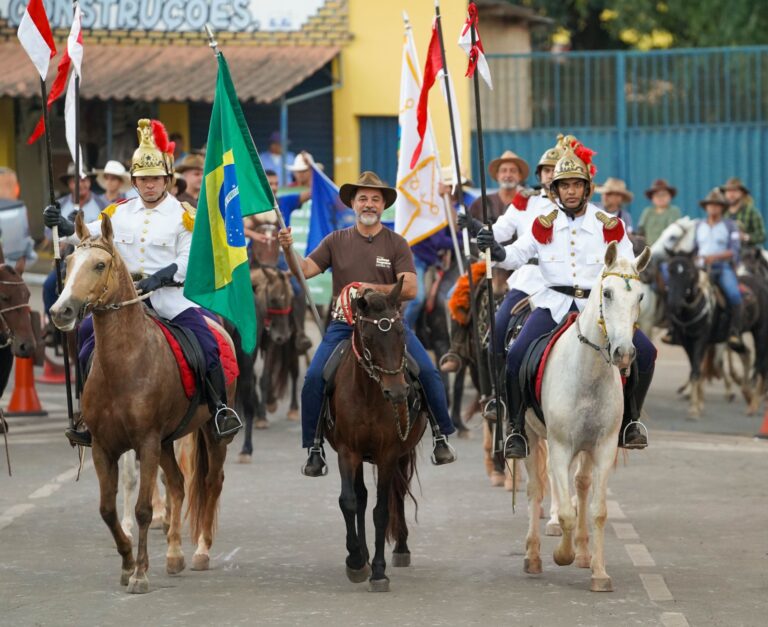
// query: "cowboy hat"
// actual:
[[734, 183], [715, 197], [191, 161], [660, 185], [615, 186], [114, 168], [300, 163], [508, 155], [70, 173], [369, 180]]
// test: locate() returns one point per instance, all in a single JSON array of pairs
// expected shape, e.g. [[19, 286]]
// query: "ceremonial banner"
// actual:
[[328, 212], [75, 52], [419, 210], [35, 36], [234, 185], [475, 53]]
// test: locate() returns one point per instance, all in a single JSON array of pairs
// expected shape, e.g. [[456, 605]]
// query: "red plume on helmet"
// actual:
[[161, 137], [585, 154]]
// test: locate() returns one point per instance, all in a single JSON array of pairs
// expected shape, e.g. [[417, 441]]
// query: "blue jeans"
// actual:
[[413, 308], [723, 273], [540, 322], [50, 293], [192, 319], [503, 315], [314, 386]]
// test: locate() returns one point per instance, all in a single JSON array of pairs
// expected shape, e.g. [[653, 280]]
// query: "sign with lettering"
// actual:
[[174, 15]]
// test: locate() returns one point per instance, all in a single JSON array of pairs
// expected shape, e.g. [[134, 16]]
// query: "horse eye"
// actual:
[[607, 294], [100, 266]]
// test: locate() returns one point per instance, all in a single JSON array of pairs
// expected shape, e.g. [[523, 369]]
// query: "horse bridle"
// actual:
[[364, 357], [6, 330], [274, 311]]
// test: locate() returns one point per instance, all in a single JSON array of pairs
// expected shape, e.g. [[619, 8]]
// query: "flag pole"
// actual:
[[76, 197], [499, 435], [447, 204], [57, 254], [280, 220], [483, 381]]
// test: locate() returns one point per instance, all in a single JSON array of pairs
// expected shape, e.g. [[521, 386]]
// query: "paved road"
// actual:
[[686, 539]]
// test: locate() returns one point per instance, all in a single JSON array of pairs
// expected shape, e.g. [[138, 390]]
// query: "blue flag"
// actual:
[[328, 212]]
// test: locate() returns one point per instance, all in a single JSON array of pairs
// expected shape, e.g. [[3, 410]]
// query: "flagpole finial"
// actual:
[[211, 38], [405, 19]]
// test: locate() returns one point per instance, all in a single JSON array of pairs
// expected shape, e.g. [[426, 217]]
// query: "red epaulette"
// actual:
[[520, 202], [613, 228], [543, 226]]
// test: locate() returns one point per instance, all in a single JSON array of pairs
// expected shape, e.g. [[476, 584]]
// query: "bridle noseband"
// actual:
[[364, 357]]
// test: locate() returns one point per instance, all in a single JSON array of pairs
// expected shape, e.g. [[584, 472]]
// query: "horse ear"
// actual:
[[641, 261], [21, 264], [393, 298], [360, 304], [80, 229], [106, 227], [611, 254]]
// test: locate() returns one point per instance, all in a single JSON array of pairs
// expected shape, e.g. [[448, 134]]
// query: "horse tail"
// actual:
[[281, 368], [198, 463], [398, 490]]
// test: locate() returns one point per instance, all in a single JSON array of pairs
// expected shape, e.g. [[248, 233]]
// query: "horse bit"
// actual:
[[6, 331]]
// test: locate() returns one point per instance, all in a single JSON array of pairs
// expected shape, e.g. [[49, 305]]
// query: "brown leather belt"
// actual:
[[573, 292]]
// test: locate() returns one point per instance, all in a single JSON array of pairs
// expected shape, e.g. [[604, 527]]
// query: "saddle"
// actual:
[[534, 364], [519, 315]]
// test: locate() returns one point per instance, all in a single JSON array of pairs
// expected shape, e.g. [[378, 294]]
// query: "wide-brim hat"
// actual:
[[70, 173], [368, 180], [615, 186], [734, 183], [300, 164], [448, 175], [508, 155], [660, 185], [191, 161], [180, 183], [114, 168], [715, 197]]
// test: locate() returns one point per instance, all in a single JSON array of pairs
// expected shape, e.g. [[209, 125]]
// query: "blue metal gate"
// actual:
[[694, 117]]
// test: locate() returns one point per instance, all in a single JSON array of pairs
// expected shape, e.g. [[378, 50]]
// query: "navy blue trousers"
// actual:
[[192, 319], [313, 390], [503, 314]]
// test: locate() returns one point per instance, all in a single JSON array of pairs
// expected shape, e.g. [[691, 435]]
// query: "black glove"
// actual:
[[485, 241], [52, 217], [159, 279], [471, 224]]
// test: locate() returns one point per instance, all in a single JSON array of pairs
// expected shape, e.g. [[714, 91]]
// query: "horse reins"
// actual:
[[7, 327]]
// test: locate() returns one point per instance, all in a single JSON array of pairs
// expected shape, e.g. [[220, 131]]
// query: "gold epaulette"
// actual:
[[609, 223], [189, 216], [547, 220], [110, 209]]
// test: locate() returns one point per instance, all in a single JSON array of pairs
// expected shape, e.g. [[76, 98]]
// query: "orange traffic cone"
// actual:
[[53, 373], [763, 433], [24, 400]]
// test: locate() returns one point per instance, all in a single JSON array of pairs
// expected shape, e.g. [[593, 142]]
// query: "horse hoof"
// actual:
[[166, 527], [271, 408], [601, 584], [563, 559], [125, 576], [244, 458], [378, 585], [553, 529], [262, 423], [360, 575], [157, 523], [138, 585], [465, 434], [400, 560], [174, 565], [201, 561], [532, 566], [292, 415], [730, 398], [497, 479], [693, 416], [583, 561]]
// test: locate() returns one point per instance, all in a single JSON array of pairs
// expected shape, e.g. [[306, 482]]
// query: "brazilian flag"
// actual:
[[234, 186]]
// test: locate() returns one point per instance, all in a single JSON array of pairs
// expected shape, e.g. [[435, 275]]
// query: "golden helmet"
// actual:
[[154, 156], [549, 158], [575, 163]]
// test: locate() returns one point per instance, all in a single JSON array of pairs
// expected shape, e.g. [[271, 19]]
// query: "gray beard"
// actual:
[[507, 185], [369, 219]]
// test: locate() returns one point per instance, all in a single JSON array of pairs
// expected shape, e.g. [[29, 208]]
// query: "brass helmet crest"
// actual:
[[154, 156], [575, 162]]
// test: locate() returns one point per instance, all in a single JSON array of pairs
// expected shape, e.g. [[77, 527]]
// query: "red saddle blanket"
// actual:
[[227, 355], [545, 356]]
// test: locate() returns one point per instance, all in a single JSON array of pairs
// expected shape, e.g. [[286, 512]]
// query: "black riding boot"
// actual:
[[734, 328], [75, 437], [633, 434], [442, 451], [299, 315], [516, 444], [226, 420], [315, 465]]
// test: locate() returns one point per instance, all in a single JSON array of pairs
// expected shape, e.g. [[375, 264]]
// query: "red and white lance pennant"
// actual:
[[476, 54], [75, 51], [35, 36]]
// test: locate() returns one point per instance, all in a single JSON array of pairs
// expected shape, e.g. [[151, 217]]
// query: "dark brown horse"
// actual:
[[134, 399], [370, 423]]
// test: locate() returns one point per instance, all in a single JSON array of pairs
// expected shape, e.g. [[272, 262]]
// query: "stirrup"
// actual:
[[315, 448], [225, 412], [624, 435], [516, 434], [489, 410], [450, 356], [444, 439], [79, 438]]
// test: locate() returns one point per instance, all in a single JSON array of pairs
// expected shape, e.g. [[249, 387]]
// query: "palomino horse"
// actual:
[[370, 422], [134, 399], [582, 400]]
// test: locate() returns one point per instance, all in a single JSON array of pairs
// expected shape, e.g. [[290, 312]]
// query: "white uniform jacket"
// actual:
[[573, 258], [528, 277], [151, 239]]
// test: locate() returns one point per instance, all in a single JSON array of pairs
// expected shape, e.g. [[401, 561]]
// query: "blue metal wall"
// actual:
[[378, 146], [694, 117]]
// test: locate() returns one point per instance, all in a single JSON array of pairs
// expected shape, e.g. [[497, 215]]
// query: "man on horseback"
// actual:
[[570, 244], [377, 257], [153, 234]]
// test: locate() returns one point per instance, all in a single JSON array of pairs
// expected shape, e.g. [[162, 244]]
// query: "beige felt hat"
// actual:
[[371, 180], [615, 186], [508, 155]]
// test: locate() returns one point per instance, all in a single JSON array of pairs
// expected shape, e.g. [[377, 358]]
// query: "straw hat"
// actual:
[[300, 164], [615, 186], [660, 185], [370, 180], [715, 197], [734, 183], [70, 173], [114, 168], [191, 161], [507, 156]]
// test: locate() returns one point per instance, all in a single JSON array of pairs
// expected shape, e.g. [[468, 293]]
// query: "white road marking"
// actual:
[[674, 619], [45, 491], [228, 557], [656, 587], [13, 512], [71, 474], [614, 510], [625, 531], [639, 555]]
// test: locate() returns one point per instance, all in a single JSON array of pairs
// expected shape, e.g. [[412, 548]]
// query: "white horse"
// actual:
[[583, 403]]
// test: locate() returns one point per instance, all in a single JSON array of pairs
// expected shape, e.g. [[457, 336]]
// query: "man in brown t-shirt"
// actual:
[[376, 257], [510, 172]]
